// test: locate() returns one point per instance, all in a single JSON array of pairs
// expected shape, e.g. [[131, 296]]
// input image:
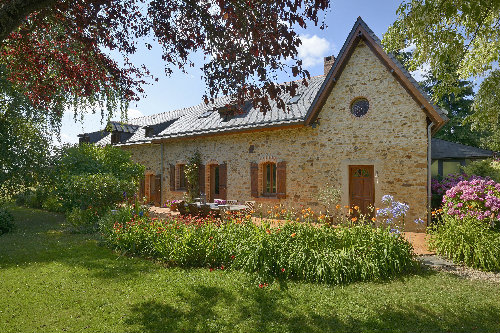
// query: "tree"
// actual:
[[24, 142], [459, 39], [459, 107], [53, 49]]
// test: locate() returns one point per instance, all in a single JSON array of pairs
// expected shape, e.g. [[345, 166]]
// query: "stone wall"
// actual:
[[391, 136]]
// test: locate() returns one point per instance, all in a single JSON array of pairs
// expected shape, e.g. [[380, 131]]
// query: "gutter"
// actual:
[[161, 173], [429, 174]]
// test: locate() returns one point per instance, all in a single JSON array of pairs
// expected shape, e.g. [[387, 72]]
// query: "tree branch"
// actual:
[[13, 12]]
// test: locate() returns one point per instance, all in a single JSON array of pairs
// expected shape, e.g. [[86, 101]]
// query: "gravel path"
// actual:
[[439, 264]]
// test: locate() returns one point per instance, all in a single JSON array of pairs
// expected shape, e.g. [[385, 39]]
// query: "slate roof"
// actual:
[[442, 149], [204, 118]]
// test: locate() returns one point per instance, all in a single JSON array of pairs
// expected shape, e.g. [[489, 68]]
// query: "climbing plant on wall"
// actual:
[[192, 176]]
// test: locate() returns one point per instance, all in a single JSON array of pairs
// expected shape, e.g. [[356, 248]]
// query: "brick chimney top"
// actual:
[[328, 63]]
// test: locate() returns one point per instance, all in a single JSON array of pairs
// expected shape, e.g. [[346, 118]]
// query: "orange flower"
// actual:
[[356, 207], [293, 235], [354, 219], [346, 206], [374, 219], [350, 211], [338, 206], [268, 231]]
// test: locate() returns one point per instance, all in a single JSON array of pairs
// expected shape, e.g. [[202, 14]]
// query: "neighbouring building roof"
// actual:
[[303, 109], [442, 149]]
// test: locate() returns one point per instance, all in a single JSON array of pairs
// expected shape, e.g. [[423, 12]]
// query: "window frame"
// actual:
[[182, 177], [272, 181]]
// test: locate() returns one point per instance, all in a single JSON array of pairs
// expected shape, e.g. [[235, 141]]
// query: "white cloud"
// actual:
[[312, 50], [133, 113], [420, 73]]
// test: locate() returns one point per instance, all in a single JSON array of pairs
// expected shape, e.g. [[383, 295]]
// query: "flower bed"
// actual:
[[467, 241], [293, 250]]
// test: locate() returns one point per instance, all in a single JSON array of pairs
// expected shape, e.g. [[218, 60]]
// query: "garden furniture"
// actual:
[[181, 207], [193, 208]]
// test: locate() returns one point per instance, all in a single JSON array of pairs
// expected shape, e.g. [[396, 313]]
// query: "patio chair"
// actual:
[[204, 210], [193, 209], [181, 207], [250, 207]]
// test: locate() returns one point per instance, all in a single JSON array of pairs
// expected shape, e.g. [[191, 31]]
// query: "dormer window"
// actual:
[[231, 110], [294, 100], [115, 138], [148, 131]]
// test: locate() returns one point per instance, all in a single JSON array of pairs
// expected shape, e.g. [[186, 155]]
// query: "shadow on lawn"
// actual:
[[211, 309], [40, 237]]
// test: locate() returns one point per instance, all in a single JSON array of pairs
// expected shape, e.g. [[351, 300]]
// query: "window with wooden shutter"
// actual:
[[281, 179], [182, 176], [254, 179], [223, 181], [142, 188], [157, 191], [172, 177]]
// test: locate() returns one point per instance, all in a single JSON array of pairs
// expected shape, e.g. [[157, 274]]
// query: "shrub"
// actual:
[[6, 221], [293, 250], [83, 220], [467, 240], [53, 204], [441, 185], [485, 168], [478, 198], [100, 191]]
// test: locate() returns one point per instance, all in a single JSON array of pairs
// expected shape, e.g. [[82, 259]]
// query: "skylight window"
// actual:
[[206, 114], [294, 99]]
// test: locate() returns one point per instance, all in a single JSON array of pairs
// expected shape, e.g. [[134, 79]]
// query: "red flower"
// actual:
[[282, 269], [232, 257], [222, 267]]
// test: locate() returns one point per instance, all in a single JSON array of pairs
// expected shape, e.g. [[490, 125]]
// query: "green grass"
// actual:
[[52, 281]]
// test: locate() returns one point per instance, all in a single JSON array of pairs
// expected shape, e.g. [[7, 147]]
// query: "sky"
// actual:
[[183, 90]]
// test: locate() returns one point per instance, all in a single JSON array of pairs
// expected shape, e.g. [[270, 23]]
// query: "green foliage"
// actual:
[[93, 159], [89, 176], [94, 190], [459, 40], [468, 241], [24, 150], [6, 221], [192, 176], [83, 220], [53, 204], [290, 251], [484, 168]]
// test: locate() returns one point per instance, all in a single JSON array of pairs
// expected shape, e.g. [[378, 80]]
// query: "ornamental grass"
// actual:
[[302, 251]]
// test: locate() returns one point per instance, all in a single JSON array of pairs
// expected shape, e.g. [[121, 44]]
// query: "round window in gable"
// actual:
[[359, 107]]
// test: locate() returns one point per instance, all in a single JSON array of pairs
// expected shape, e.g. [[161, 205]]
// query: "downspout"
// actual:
[[162, 165], [429, 174]]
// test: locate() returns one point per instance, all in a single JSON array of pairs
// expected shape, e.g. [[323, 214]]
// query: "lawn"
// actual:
[[55, 281]]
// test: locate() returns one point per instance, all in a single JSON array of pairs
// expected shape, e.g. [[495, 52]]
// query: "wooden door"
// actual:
[[362, 188]]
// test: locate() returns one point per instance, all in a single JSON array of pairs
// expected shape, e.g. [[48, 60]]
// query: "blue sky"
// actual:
[[183, 90]]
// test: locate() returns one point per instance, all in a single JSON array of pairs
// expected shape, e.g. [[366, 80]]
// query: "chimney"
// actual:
[[328, 63]]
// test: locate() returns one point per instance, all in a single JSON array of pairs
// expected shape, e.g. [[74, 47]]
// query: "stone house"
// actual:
[[363, 127]]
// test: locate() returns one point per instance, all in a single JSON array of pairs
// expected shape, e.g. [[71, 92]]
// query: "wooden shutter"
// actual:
[[172, 177], [223, 181], [281, 180], [201, 178], [254, 179], [157, 191], [142, 188]]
